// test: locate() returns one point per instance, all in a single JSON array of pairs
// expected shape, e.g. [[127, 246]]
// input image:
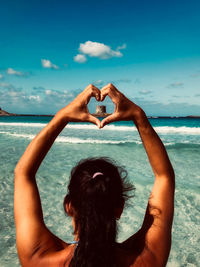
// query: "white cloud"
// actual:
[[11, 71], [175, 85], [48, 64], [145, 92], [35, 98], [36, 101], [80, 58], [100, 50], [38, 89], [50, 92], [122, 80], [14, 93], [5, 85], [58, 95], [49, 101], [121, 47], [102, 83], [1, 76], [99, 83]]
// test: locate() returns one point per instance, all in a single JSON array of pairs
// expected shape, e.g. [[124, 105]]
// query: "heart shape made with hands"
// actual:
[[125, 109], [100, 95]]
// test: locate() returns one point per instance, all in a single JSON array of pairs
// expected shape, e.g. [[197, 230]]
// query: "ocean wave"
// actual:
[[71, 126], [159, 129], [24, 124], [178, 130], [73, 140], [27, 136]]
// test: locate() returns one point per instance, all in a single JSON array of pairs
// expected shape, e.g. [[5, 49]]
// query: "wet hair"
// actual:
[[94, 202]]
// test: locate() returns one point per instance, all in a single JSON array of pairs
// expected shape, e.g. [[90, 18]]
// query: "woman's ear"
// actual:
[[68, 208]]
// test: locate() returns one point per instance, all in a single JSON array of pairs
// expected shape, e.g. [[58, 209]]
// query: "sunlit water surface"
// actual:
[[118, 141]]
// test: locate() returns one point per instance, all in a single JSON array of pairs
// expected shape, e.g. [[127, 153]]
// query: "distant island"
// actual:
[[191, 116], [100, 112], [5, 113]]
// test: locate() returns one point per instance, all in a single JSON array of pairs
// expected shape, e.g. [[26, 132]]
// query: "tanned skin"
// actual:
[[150, 246]]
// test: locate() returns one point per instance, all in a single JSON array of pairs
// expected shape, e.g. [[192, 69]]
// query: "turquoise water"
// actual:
[[121, 142]]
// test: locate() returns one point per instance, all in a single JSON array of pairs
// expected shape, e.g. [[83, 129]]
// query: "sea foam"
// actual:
[[159, 129], [73, 140]]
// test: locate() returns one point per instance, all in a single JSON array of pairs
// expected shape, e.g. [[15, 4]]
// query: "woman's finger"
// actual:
[[104, 93], [96, 93], [111, 91], [90, 91], [94, 120], [113, 117]]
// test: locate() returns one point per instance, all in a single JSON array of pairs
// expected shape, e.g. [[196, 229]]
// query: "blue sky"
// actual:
[[51, 50]]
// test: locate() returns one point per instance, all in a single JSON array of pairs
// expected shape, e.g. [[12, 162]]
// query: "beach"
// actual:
[[121, 142]]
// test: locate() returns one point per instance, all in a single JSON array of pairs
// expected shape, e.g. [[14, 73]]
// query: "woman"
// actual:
[[96, 191]]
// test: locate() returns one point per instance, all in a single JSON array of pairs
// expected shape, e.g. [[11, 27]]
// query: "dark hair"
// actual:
[[94, 202]]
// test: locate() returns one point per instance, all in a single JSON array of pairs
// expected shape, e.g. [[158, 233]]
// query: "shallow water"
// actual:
[[121, 142]]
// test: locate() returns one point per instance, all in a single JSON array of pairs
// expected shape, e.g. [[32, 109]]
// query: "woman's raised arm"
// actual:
[[154, 238], [32, 236]]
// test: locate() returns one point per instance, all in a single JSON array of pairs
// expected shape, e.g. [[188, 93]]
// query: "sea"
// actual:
[[121, 142]]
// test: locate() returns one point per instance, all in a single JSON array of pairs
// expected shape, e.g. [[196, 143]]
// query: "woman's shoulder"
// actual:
[[133, 254], [125, 256], [54, 256]]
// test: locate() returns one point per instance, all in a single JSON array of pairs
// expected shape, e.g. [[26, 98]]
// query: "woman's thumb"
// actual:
[[108, 120], [94, 120]]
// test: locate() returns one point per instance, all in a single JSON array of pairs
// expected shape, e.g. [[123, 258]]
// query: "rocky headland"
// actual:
[[5, 113]]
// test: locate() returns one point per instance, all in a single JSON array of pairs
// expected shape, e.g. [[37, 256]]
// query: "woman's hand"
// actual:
[[77, 110], [125, 109]]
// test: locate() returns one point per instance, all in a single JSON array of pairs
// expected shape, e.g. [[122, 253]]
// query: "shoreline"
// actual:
[[100, 116], [4, 113]]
